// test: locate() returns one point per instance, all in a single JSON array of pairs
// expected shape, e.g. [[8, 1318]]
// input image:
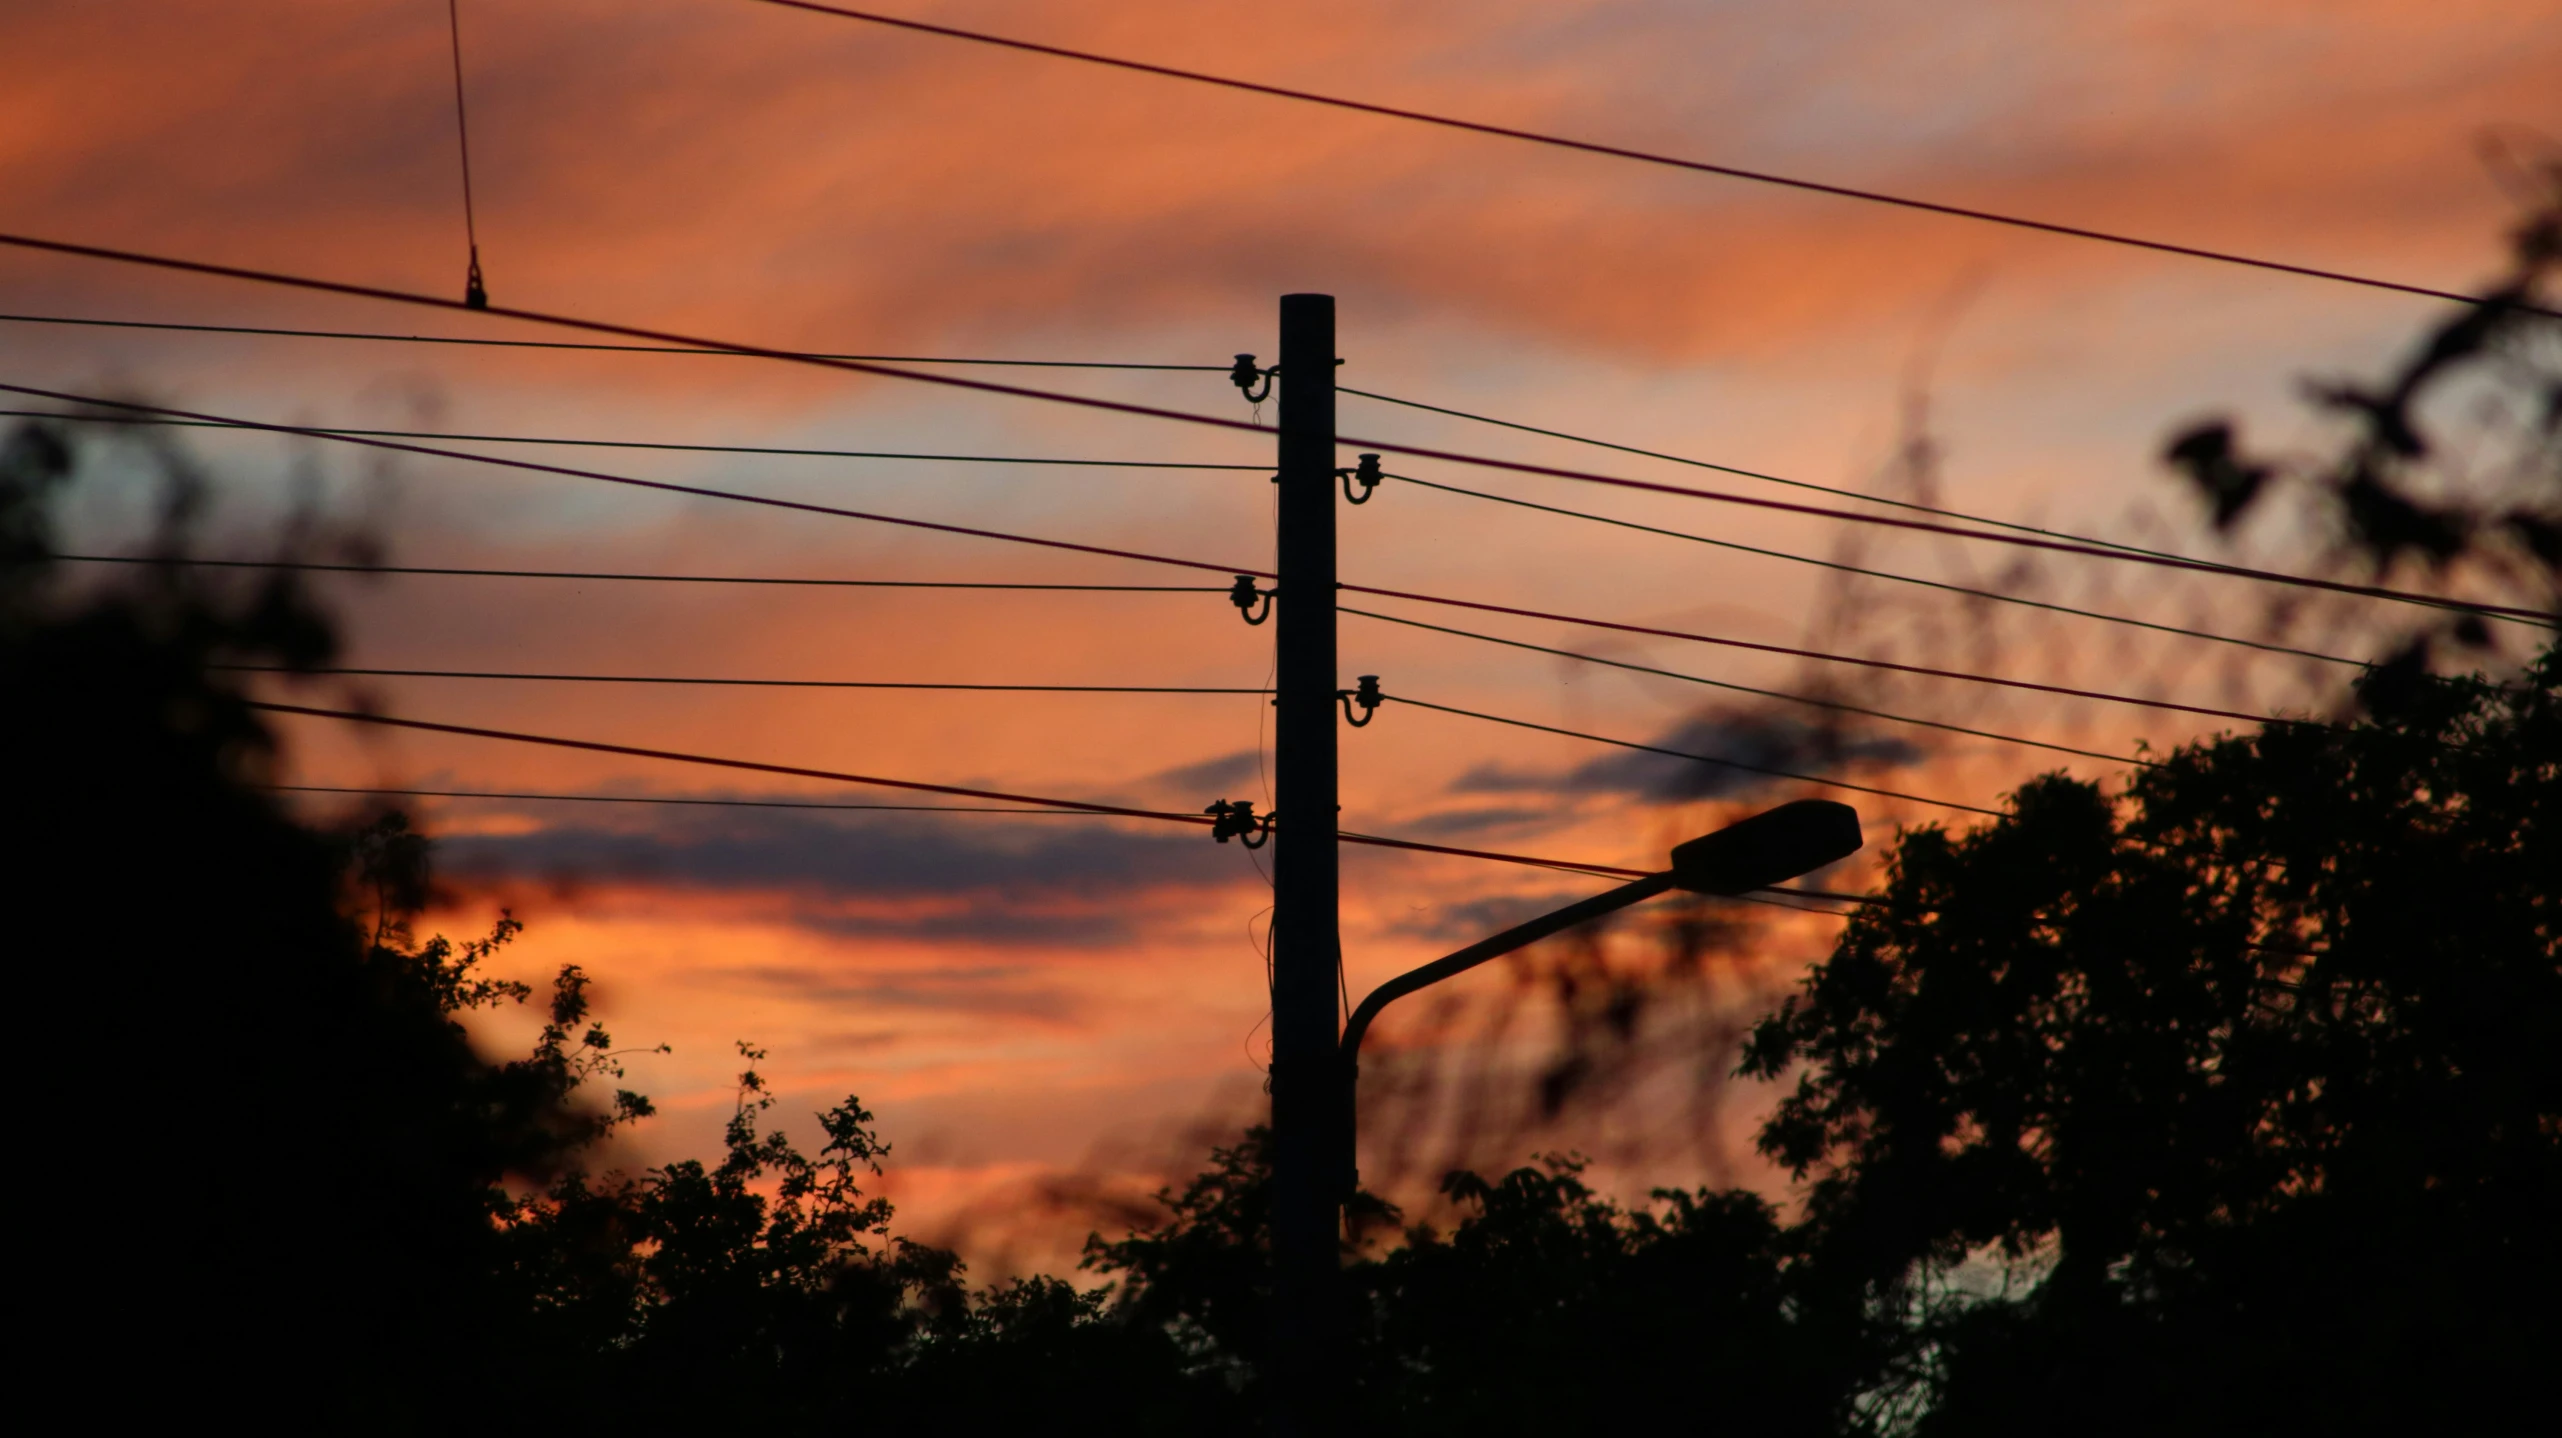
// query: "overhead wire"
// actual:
[[1621, 152], [1741, 473], [1720, 762], [794, 771], [479, 341], [335, 431], [1262, 949], [1851, 494], [1994, 595], [1143, 557], [1922, 670], [1839, 567], [1806, 699], [682, 800], [346, 671], [316, 566], [634, 481], [980, 386]]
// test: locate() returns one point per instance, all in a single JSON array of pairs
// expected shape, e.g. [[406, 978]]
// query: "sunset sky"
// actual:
[[1025, 997]]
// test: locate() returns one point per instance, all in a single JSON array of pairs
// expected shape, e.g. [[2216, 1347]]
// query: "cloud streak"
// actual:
[[1745, 737]]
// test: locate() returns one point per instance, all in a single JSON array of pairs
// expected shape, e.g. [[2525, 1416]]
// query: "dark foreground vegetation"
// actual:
[[2225, 1100]]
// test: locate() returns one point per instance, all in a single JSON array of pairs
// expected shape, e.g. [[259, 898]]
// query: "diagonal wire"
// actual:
[[665, 799], [665, 349], [1794, 653], [794, 771], [980, 386], [664, 486], [336, 432], [337, 670], [1238, 570], [1836, 565], [1700, 758], [1762, 177], [318, 567], [1558, 865], [1739, 473], [1748, 689]]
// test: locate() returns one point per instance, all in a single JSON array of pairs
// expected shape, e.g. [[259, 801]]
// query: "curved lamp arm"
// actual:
[[1520, 935]]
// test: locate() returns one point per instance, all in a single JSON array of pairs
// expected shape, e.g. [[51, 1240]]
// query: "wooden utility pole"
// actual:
[[1306, 949]]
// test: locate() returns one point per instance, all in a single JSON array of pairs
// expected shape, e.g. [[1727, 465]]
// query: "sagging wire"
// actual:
[[1261, 1066]]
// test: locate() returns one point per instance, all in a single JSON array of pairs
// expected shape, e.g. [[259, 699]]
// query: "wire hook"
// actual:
[[1367, 696], [1245, 377], [1243, 595], [1367, 475], [475, 294], [1237, 820]]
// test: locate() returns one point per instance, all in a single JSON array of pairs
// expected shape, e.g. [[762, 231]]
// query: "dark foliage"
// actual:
[[2260, 1063], [289, 1148], [2386, 488], [2246, 1078]]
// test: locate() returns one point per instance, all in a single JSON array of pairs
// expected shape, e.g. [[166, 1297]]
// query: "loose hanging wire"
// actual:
[[474, 293]]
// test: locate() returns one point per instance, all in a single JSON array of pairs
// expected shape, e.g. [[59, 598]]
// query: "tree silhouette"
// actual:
[[2256, 1064]]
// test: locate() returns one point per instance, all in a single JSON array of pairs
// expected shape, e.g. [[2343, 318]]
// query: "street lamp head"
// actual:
[[1770, 846]]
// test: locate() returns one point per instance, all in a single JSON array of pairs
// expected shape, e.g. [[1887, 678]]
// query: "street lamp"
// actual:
[[1754, 853]]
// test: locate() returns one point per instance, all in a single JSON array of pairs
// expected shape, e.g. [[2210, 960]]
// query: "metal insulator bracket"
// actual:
[[1255, 384], [1245, 596], [1367, 476], [1237, 820], [1367, 696]]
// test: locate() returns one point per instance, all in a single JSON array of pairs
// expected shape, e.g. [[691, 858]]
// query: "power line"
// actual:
[[1918, 669], [1748, 689], [1763, 177], [344, 433], [1835, 565], [666, 486], [728, 351], [376, 673], [336, 432], [665, 799], [978, 386], [314, 566], [1739, 473], [739, 683], [1143, 557], [1560, 865], [837, 776], [1700, 758]]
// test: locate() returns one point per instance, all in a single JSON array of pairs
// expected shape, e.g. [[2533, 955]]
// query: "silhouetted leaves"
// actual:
[[2207, 456], [2258, 1061]]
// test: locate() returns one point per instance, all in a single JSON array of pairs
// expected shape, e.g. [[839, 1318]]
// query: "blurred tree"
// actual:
[[285, 1145]]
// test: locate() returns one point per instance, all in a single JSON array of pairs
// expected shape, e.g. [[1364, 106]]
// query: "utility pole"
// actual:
[[1306, 949]]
